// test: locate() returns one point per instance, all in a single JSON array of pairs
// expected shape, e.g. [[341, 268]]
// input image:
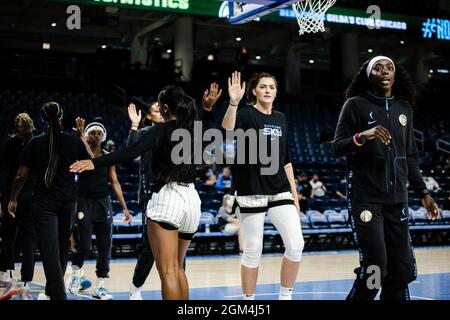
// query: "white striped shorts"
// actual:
[[262, 203], [178, 205]]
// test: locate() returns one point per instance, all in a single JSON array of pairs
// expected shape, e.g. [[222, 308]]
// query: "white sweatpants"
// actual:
[[285, 219]]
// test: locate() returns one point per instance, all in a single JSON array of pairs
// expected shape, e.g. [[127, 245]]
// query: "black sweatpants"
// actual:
[[94, 216], [146, 259], [19, 230], [53, 221], [382, 235]]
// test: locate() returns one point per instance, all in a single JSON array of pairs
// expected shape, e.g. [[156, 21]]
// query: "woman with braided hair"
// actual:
[[46, 157]]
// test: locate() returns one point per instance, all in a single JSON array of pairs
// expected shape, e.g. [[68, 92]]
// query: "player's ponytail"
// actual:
[[52, 113]]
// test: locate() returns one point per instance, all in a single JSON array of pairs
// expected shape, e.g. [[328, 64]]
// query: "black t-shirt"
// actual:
[[247, 178], [36, 156], [94, 184], [9, 164], [157, 139]]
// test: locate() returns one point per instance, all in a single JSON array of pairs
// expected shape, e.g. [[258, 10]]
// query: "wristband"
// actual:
[[355, 140], [233, 105]]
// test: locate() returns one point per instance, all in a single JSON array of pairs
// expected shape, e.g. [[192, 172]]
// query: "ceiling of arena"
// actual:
[[26, 24]]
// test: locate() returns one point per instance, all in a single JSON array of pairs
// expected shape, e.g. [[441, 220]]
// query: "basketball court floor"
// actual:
[[323, 276]]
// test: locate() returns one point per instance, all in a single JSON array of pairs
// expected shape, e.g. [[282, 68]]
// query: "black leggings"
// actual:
[[19, 230], [53, 221], [145, 260], [96, 219], [383, 240]]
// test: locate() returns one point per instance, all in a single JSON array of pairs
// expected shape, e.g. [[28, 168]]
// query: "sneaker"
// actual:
[[100, 291], [5, 278], [43, 296], [10, 291], [85, 283], [135, 293], [23, 294], [75, 280]]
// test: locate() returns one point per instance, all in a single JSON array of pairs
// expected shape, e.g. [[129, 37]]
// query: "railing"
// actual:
[[443, 146], [420, 137]]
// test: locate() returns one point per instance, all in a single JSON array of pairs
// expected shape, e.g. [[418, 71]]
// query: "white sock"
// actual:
[[248, 296], [285, 293], [100, 283], [76, 271]]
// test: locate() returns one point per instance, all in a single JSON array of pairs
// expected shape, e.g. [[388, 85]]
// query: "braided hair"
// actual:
[[52, 113]]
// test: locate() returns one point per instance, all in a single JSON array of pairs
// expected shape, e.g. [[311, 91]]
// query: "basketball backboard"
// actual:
[[243, 11]]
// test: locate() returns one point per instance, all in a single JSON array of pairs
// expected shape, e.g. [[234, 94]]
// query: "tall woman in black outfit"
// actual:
[[47, 157]]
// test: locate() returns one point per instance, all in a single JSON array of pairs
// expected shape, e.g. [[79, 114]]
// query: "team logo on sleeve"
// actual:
[[366, 216], [80, 215], [403, 120]]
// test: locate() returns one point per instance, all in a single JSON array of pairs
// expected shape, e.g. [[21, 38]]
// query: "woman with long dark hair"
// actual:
[[174, 209], [375, 131], [259, 194], [21, 223], [47, 157], [145, 260]]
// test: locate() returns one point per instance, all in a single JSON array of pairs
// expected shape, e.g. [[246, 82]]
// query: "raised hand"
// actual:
[[236, 90], [210, 97], [134, 116], [79, 126], [377, 132], [82, 165]]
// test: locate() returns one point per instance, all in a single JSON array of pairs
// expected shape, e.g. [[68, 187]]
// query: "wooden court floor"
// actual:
[[218, 271]]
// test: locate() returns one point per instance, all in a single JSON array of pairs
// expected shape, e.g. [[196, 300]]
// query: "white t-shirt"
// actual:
[[318, 188]]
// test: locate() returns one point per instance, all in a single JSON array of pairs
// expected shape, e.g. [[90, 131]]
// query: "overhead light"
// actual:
[[369, 50], [258, 57], [104, 46], [238, 39], [53, 24], [46, 46], [169, 51], [156, 38], [431, 71], [446, 71], [311, 61], [402, 42], [210, 57]]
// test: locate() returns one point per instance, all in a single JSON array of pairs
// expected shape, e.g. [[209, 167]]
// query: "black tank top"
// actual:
[[94, 184]]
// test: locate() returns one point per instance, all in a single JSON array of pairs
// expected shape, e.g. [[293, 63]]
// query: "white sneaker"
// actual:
[[75, 280], [5, 278], [43, 296], [135, 292], [100, 291]]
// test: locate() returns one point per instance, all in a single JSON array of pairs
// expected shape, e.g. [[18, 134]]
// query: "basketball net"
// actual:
[[310, 14]]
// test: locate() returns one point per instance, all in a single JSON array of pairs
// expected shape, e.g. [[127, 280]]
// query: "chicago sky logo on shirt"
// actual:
[[272, 131]]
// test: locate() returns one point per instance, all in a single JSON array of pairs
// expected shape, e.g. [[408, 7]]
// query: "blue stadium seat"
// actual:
[[318, 220], [336, 220], [419, 218]]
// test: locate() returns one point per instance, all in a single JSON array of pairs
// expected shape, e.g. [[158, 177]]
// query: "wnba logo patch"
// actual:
[[403, 120], [366, 216]]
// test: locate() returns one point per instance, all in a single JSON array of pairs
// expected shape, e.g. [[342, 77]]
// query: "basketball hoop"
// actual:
[[310, 14]]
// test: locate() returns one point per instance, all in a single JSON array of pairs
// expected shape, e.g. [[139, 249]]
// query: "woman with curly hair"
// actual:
[[375, 131]]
